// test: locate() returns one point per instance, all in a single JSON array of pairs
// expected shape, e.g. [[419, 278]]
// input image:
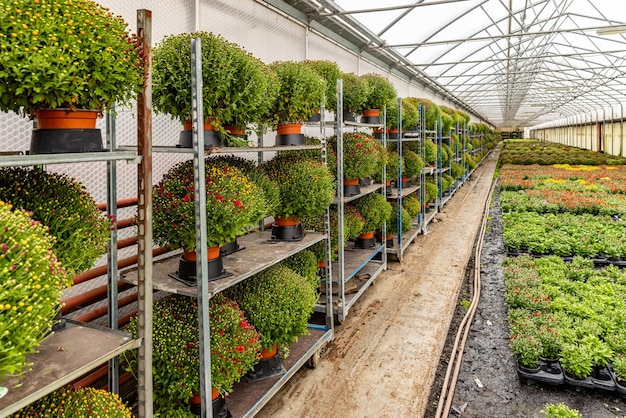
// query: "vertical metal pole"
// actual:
[[340, 206], [399, 179], [112, 273], [199, 186], [328, 271], [144, 221]]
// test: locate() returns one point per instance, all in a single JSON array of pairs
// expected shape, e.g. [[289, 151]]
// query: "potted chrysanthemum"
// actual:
[[360, 159], [396, 223], [376, 211], [235, 349], [409, 117], [306, 189], [300, 94], [330, 72], [30, 289], [234, 203], [381, 91], [413, 165], [237, 88], [64, 206], [279, 302], [61, 60], [355, 92]]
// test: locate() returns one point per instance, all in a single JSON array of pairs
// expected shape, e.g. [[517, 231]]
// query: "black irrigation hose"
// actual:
[[449, 383]]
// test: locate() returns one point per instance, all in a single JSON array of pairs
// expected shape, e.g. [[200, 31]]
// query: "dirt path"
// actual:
[[383, 359]]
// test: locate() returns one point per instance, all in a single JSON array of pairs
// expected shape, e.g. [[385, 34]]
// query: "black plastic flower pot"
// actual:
[[287, 233], [211, 139], [61, 141], [290, 139], [266, 368], [230, 248], [187, 273], [351, 190], [218, 406]]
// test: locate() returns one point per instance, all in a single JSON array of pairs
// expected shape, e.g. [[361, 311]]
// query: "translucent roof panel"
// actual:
[[516, 63]]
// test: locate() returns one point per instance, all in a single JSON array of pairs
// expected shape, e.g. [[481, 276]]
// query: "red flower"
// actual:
[[219, 198], [186, 198], [238, 204], [240, 348], [244, 324]]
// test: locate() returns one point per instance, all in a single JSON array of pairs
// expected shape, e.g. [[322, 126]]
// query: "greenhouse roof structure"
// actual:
[[513, 63]]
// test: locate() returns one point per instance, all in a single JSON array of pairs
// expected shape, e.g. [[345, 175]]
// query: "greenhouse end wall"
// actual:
[[604, 136]]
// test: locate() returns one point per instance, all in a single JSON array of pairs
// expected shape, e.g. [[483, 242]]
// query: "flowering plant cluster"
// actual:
[[279, 302], [412, 204], [381, 91], [235, 347], [360, 154], [560, 410], [77, 403], [431, 111], [31, 280], [300, 94], [306, 186], [392, 224], [577, 318], [375, 210], [233, 204], [316, 223], [305, 264], [413, 163], [65, 207], [527, 152], [66, 54], [238, 88], [390, 161], [431, 191]]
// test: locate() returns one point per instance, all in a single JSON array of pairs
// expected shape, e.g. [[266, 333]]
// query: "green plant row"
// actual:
[[560, 201], [565, 234], [536, 152], [571, 311]]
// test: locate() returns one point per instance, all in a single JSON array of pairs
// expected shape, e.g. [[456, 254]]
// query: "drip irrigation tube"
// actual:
[[456, 356]]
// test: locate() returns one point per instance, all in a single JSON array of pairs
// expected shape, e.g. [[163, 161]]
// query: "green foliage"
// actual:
[[234, 203], [316, 223], [65, 207], [432, 191], [355, 92], [392, 224], [235, 347], [74, 55], [430, 149], [413, 163], [409, 115], [306, 186], [381, 91], [305, 264], [330, 72], [619, 366], [560, 410], [237, 87], [31, 280], [300, 94], [576, 359], [85, 402], [431, 110], [375, 210], [354, 221], [456, 170], [279, 302], [412, 204], [527, 349]]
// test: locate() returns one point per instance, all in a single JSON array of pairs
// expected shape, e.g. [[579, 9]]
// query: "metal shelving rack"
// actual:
[[403, 240], [351, 264], [79, 348], [259, 253]]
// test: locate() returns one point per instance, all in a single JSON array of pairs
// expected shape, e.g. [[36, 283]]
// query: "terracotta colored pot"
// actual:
[[367, 235], [321, 264], [288, 128], [269, 352], [197, 400], [371, 113], [233, 130], [66, 119], [212, 254], [290, 221], [352, 182], [208, 126]]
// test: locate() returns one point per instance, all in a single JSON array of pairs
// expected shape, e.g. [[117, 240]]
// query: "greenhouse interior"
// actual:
[[410, 208]]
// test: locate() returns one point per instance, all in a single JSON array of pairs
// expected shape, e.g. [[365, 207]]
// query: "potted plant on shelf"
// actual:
[[279, 302], [431, 111], [409, 118], [431, 192], [360, 159], [381, 92], [355, 92], [234, 203], [300, 94], [65, 207], [237, 88], [330, 72], [96, 63], [391, 167], [376, 211], [68, 402], [30, 289], [413, 166], [392, 224], [235, 349], [305, 264], [412, 204], [306, 189]]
